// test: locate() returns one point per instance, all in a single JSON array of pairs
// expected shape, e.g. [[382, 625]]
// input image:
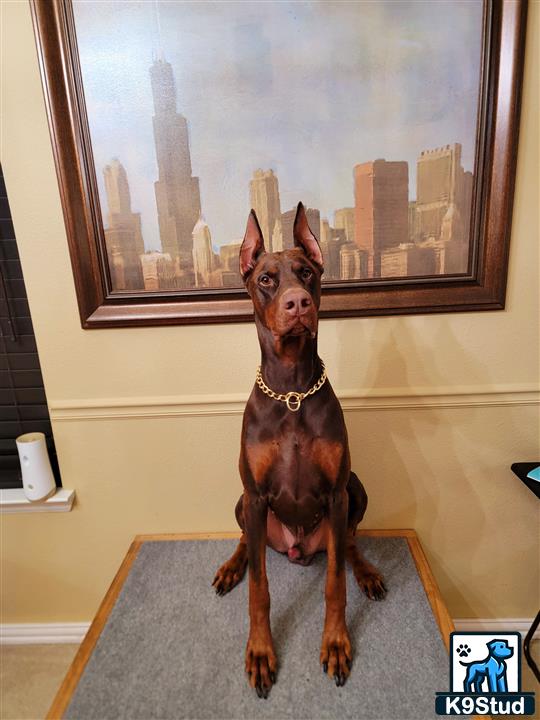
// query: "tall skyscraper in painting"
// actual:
[[264, 198], [202, 253], [381, 191], [443, 205], [441, 182], [123, 237], [177, 191]]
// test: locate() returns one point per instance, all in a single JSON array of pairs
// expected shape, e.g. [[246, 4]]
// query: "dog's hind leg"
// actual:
[[367, 576], [232, 571], [358, 501]]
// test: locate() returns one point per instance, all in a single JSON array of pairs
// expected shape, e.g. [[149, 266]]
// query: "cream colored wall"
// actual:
[[437, 407]]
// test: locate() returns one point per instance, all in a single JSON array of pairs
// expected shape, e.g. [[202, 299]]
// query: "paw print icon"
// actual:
[[463, 650]]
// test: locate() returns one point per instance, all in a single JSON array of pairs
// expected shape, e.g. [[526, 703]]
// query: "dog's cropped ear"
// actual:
[[304, 238], [252, 246]]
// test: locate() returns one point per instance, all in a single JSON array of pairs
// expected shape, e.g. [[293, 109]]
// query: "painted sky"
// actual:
[[307, 88]]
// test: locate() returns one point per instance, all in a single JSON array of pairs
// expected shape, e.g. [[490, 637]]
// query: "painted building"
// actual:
[[177, 191], [264, 199], [123, 237], [381, 208]]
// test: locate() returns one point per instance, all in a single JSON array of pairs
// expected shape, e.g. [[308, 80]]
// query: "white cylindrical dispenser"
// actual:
[[37, 475]]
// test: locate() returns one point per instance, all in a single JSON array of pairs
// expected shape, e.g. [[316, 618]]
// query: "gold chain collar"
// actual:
[[292, 400]]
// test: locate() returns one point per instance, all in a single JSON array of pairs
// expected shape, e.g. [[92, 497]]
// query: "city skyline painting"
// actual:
[[366, 112]]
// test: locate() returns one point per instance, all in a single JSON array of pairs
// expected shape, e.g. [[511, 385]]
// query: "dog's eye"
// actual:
[[306, 274], [265, 280]]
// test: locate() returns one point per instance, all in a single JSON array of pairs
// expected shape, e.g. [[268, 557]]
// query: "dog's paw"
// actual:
[[228, 576], [261, 666], [463, 650], [372, 584], [336, 654]]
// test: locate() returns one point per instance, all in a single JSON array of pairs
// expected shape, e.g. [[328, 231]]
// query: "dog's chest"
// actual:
[[294, 458], [296, 471]]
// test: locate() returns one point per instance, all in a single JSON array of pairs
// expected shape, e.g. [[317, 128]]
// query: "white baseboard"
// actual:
[[49, 633], [42, 633]]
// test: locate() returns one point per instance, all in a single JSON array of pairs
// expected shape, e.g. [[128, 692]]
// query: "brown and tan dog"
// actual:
[[300, 496]]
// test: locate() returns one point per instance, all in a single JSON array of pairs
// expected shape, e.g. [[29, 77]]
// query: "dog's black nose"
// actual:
[[296, 301]]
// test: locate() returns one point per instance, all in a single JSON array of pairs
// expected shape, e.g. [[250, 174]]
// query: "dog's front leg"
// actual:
[[336, 655], [261, 660]]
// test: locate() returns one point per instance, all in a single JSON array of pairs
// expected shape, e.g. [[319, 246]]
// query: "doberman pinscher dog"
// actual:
[[300, 496]]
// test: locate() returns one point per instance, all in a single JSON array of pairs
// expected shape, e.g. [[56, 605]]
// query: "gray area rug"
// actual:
[[172, 649]]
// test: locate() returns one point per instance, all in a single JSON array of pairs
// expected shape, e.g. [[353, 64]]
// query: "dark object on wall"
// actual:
[[481, 287], [23, 405], [522, 470]]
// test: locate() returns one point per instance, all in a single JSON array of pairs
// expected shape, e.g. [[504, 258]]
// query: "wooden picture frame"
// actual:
[[481, 288]]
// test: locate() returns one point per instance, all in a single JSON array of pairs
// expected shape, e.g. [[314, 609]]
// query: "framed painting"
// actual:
[[396, 124]]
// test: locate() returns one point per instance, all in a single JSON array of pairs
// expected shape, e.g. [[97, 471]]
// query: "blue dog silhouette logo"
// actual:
[[492, 668]]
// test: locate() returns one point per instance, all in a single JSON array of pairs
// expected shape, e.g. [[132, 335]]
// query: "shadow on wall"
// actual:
[[415, 477]]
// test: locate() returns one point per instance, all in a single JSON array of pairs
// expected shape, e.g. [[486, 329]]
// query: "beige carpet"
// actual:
[[30, 675]]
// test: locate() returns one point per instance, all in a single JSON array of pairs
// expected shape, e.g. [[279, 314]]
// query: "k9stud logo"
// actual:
[[485, 676]]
